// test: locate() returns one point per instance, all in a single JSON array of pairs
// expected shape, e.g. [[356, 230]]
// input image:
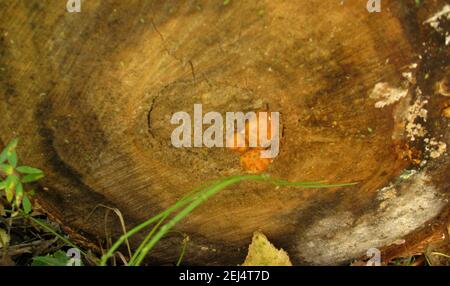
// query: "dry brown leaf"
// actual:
[[263, 253], [4, 238], [2, 210]]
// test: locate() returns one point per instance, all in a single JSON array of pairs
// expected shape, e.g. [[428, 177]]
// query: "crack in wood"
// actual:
[[149, 116]]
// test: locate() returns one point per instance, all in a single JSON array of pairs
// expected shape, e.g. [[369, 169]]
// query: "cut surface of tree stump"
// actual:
[[361, 97]]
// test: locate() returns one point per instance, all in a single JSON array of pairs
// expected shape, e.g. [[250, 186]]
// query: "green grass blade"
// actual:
[[191, 202]]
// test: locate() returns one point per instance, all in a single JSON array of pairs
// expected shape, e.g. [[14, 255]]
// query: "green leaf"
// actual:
[[26, 204], [3, 156], [9, 149], [19, 194], [32, 178], [28, 170], [2, 185], [59, 258], [12, 159], [7, 169], [10, 184], [12, 145]]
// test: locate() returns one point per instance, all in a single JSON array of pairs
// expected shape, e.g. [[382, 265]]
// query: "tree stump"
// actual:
[[360, 95]]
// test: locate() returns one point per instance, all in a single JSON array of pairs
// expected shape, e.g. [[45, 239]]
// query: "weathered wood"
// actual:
[[90, 95]]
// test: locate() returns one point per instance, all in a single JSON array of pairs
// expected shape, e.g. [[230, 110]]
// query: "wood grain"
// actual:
[[90, 95]]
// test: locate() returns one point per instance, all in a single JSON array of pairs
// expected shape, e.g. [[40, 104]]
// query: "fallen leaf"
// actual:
[[263, 253]]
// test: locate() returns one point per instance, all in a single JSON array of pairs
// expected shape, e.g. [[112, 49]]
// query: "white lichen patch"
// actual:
[[386, 194], [435, 148], [340, 237], [416, 111], [386, 95], [434, 22], [408, 76]]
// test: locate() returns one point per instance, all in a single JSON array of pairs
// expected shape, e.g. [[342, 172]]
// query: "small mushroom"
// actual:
[[252, 162]]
